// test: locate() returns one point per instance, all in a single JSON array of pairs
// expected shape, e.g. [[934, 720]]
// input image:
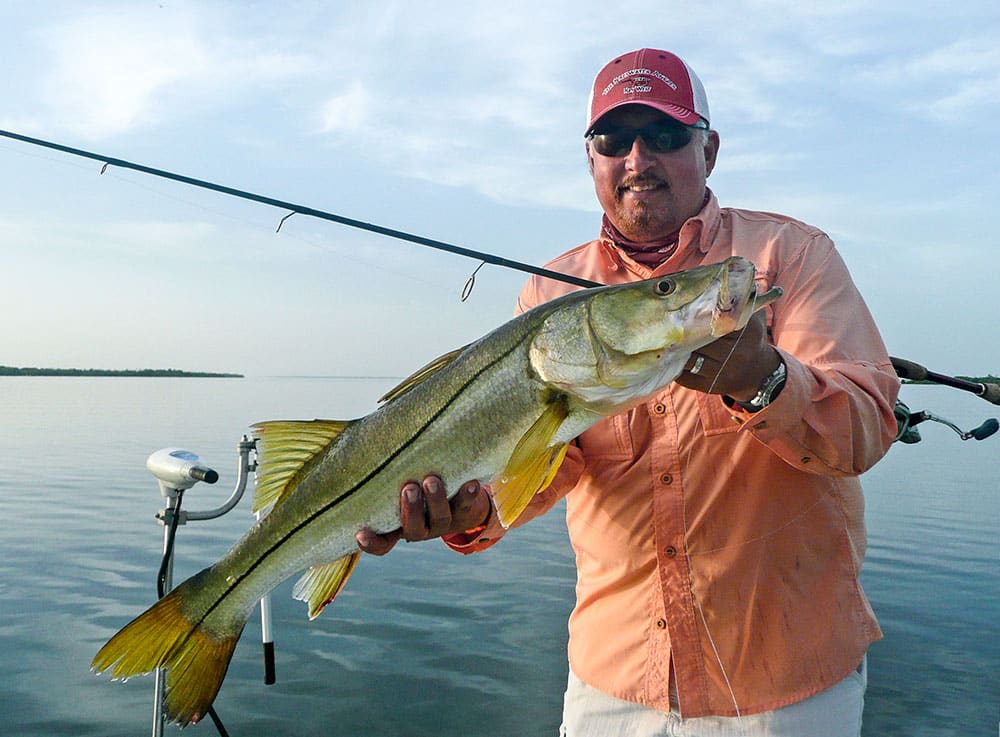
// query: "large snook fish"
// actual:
[[500, 410]]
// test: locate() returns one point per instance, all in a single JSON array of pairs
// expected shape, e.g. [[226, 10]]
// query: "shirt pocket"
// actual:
[[610, 439], [716, 417]]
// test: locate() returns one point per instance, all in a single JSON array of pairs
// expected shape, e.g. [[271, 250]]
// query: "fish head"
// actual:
[[625, 342]]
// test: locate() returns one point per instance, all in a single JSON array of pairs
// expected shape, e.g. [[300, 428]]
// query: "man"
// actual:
[[718, 528]]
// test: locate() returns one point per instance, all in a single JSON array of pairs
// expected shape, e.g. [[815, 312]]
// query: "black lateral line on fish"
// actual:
[[348, 493]]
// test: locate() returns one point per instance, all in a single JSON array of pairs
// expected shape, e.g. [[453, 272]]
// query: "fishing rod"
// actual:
[[303, 210], [904, 369], [915, 372]]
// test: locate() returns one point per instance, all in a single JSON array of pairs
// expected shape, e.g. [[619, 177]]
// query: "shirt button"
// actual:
[[659, 408], [666, 479], [670, 551], [661, 624]]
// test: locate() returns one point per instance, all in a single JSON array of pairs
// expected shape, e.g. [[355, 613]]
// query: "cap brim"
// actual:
[[678, 113]]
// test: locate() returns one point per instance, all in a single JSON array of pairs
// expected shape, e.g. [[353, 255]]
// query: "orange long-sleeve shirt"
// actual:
[[726, 542]]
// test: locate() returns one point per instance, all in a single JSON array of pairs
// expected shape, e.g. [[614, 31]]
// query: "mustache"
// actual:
[[641, 181]]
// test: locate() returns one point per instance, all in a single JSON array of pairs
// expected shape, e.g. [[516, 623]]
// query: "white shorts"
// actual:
[[835, 712]]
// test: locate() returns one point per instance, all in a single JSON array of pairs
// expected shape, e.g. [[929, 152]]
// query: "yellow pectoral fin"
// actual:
[[532, 465], [321, 584], [286, 449]]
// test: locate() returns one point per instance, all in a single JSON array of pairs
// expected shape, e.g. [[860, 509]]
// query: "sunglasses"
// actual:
[[659, 137]]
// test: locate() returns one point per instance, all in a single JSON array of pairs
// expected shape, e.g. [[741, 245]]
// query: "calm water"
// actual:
[[422, 642]]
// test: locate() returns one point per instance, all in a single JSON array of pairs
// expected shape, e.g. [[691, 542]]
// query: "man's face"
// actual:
[[649, 195]]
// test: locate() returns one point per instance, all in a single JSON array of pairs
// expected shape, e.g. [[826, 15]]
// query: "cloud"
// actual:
[[451, 98], [480, 97], [347, 112], [120, 67], [950, 83], [966, 77]]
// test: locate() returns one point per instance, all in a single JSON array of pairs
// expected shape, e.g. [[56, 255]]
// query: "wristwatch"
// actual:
[[770, 387]]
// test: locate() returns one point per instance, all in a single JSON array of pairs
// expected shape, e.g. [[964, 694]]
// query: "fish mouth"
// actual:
[[734, 307], [736, 285], [736, 299]]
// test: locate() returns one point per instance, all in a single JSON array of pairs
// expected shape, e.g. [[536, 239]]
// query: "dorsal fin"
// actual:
[[286, 450], [532, 465], [321, 584], [421, 375]]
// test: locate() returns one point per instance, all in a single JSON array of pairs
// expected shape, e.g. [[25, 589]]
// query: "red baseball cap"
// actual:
[[651, 77]]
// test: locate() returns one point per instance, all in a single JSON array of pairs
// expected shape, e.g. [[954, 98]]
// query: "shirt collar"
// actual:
[[697, 232]]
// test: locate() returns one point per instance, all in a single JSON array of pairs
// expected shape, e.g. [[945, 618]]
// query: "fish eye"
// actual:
[[664, 287]]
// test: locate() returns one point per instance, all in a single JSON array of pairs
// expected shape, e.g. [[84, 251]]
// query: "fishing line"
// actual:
[[687, 553], [718, 659]]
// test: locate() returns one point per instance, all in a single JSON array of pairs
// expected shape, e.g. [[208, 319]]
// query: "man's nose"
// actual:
[[639, 158]]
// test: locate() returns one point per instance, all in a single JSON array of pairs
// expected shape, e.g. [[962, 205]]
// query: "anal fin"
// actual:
[[321, 584]]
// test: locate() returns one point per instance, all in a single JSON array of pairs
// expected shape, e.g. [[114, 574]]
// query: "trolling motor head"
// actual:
[[178, 469]]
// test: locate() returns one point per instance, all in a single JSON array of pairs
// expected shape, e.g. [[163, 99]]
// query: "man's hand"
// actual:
[[735, 364], [426, 512]]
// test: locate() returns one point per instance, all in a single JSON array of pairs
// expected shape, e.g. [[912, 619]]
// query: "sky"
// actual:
[[462, 122]]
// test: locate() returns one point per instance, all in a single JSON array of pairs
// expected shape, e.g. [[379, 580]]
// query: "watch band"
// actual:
[[770, 387]]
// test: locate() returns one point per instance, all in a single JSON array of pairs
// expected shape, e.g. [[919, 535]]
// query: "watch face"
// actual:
[[770, 386]]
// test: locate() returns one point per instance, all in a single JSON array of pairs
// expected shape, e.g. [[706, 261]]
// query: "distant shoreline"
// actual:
[[141, 373]]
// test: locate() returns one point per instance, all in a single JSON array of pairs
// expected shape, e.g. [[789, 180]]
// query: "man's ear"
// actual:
[[711, 151], [590, 157]]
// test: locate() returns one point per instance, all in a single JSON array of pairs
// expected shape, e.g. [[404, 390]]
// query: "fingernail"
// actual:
[[411, 494], [474, 489]]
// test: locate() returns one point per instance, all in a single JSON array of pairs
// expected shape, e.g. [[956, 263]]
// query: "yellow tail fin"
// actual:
[[196, 660]]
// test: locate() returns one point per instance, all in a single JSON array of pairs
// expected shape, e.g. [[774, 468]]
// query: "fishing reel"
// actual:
[[906, 420], [907, 433]]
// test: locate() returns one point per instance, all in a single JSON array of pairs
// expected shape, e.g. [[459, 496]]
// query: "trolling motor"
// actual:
[[906, 420], [177, 470]]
